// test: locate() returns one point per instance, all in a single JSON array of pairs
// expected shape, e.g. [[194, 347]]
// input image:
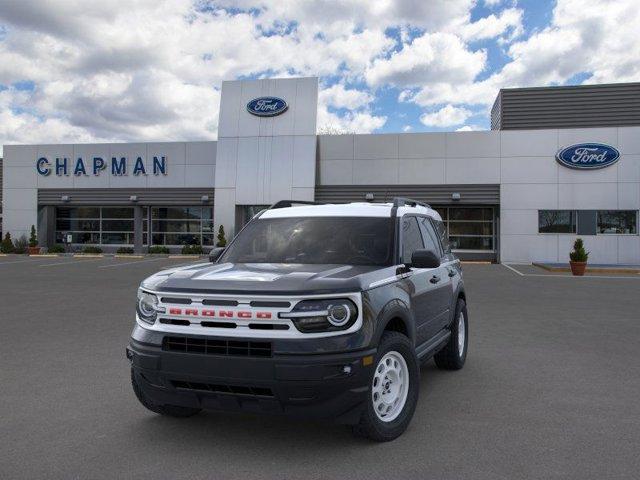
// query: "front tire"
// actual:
[[393, 391], [167, 410], [454, 354]]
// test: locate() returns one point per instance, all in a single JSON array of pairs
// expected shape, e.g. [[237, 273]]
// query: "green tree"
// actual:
[[7, 244], [33, 238], [222, 241]]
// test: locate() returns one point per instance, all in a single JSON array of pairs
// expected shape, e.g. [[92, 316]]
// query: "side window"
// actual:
[[430, 239], [442, 233], [411, 238]]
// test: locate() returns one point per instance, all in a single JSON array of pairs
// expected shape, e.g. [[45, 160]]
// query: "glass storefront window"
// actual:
[[618, 221], [189, 225], [96, 225], [556, 221]]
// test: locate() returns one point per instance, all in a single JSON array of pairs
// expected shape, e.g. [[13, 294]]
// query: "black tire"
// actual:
[[168, 410], [450, 357], [372, 427]]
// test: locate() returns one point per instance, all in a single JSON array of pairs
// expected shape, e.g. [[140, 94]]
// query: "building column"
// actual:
[[138, 215], [46, 227]]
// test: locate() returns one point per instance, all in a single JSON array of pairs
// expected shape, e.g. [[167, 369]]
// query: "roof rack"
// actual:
[[402, 201], [291, 203]]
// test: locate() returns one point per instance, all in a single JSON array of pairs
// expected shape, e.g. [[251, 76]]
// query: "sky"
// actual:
[[74, 71]]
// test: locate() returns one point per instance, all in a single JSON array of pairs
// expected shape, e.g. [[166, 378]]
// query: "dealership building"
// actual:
[[559, 162]]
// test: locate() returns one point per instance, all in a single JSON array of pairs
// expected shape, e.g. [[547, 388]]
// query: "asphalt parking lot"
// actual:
[[551, 389]]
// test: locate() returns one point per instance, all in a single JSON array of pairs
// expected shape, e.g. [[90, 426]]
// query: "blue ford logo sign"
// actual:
[[588, 156], [267, 106]]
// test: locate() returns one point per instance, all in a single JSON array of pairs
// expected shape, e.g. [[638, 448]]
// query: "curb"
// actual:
[[88, 255], [185, 256], [127, 255], [606, 270], [45, 255]]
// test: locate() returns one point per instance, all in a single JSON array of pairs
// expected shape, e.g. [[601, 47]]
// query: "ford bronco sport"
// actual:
[[321, 311]]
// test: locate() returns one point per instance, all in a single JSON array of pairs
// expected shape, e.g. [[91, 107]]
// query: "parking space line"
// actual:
[[130, 263], [513, 269], [72, 262]]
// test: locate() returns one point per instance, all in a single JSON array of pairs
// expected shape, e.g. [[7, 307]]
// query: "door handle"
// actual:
[[435, 279]]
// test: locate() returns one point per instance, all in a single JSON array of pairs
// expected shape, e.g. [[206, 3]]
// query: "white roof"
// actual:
[[347, 210]]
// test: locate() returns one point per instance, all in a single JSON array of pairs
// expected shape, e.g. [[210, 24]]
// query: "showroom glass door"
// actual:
[[471, 229]]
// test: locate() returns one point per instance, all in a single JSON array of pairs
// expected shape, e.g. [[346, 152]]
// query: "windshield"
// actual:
[[318, 240]]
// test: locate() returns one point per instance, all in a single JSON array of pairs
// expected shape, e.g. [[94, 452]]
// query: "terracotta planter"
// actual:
[[33, 250], [578, 268]]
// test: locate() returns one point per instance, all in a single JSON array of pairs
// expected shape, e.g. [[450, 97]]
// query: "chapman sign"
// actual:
[[118, 166], [588, 156], [267, 106]]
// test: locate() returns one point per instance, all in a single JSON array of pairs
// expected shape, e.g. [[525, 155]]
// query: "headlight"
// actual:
[[326, 315], [147, 306]]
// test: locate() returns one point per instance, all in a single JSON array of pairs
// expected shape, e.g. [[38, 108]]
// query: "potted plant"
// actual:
[[33, 249], [578, 258]]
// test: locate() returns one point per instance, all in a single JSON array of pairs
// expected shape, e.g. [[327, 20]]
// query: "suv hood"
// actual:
[[266, 278]]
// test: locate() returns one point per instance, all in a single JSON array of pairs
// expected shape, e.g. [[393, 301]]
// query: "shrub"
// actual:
[[7, 244], [222, 241], [20, 245], [57, 248], [125, 250], [91, 249], [579, 254], [192, 250], [33, 238], [158, 249]]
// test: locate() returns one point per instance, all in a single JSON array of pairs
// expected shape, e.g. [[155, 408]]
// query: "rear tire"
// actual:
[[167, 410], [454, 354], [393, 390]]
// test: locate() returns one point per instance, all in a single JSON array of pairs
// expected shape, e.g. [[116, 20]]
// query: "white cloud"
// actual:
[[508, 22], [340, 97], [407, 128], [469, 128], [358, 122], [433, 57], [447, 116]]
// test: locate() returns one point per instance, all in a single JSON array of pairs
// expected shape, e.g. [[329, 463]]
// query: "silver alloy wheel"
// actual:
[[462, 332], [390, 386]]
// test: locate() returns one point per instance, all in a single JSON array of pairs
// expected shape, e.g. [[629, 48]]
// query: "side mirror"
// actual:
[[425, 259], [215, 254]]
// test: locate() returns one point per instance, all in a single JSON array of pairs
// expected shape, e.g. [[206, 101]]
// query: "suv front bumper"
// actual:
[[324, 386]]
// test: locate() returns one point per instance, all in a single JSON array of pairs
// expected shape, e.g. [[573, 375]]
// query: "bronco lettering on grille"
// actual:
[[244, 314]]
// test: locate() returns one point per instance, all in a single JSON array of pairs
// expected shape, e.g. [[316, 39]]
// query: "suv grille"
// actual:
[[231, 389], [209, 346]]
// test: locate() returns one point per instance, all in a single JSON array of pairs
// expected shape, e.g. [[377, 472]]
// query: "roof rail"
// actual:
[[402, 201], [291, 203]]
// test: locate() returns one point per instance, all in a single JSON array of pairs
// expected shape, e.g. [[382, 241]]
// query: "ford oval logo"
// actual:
[[267, 106], [588, 156]]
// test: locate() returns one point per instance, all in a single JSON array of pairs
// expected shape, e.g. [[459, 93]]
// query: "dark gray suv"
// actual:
[[317, 311]]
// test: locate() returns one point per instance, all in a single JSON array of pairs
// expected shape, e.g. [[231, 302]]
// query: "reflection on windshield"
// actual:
[[317, 240]]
